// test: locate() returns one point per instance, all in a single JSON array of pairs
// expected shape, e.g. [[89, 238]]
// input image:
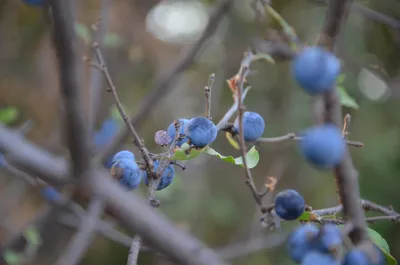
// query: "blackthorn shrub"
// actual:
[[301, 241], [316, 69], [201, 131], [127, 172], [253, 126], [289, 205], [323, 146], [166, 178], [171, 131]]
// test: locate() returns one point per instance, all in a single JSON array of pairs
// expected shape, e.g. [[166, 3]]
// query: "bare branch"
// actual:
[[135, 137], [207, 93]]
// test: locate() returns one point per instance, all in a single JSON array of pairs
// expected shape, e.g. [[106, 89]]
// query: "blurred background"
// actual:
[[143, 39]]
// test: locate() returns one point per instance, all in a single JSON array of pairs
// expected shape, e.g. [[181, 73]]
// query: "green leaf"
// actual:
[[12, 258], [83, 32], [184, 154], [32, 236], [383, 245], [8, 115], [112, 40], [305, 216], [345, 99], [252, 157]]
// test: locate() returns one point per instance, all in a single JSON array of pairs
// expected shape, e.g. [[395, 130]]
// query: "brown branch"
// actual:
[[241, 77], [345, 173], [165, 83], [135, 137]]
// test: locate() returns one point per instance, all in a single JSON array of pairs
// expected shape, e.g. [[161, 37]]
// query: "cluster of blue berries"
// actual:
[[311, 245], [198, 131], [129, 174], [316, 71]]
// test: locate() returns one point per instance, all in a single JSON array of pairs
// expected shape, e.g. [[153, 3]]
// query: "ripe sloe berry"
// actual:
[[171, 131], [317, 258], [124, 154], [323, 146], [331, 238], [315, 69], [201, 131], [302, 241], [127, 172], [289, 205], [355, 257], [50, 194], [166, 178], [253, 126]]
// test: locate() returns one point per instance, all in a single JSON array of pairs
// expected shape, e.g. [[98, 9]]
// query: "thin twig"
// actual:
[[153, 184], [222, 123], [135, 137], [346, 125], [207, 93], [244, 69], [166, 81]]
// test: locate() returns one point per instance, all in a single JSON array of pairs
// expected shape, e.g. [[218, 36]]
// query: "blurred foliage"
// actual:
[[210, 199]]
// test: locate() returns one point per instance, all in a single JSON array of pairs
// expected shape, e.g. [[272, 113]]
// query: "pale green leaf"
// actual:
[[8, 115], [12, 258], [232, 141], [83, 32], [186, 153], [345, 99], [252, 157]]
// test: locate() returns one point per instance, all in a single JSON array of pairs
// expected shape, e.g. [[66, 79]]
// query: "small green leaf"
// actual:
[[112, 40], [340, 79], [232, 141], [12, 258], [184, 154], [32, 236], [8, 115], [345, 99], [83, 32], [305, 216], [383, 245], [252, 157]]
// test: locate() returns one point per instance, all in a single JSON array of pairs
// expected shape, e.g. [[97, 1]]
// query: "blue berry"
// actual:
[[171, 131], [302, 241], [378, 259], [166, 178], [104, 135], [317, 258], [124, 154], [355, 257], [316, 69], [127, 172], [323, 146], [253, 126], [289, 205], [50, 194], [201, 131], [34, 2], [330, 238]]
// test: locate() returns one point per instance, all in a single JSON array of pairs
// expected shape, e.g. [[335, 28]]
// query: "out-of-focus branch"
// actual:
[[77, 136], [165, 82], [345, 173]]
